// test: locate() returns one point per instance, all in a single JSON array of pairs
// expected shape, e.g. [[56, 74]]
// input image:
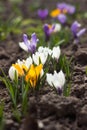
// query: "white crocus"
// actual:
[[56, 52], [57, 79], [28, 62], [37, 57], [12, 72], [23, 46], [49, 79], [45, 50], [57, 27], [20, 62]]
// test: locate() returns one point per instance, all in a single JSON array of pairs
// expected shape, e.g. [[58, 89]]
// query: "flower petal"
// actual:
[[81, 32], [12, 71], [62, 18], [23, 46]]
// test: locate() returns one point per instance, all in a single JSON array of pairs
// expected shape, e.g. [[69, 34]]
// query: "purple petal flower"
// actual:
[[62, 18], [75, 28], [32, 43], [42, 13], [48, 30], [61, 6], [69, 8]]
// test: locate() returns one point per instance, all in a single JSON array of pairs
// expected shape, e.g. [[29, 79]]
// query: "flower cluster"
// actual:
[[28, 70], [44, 65], [32, 69], [61, 11]]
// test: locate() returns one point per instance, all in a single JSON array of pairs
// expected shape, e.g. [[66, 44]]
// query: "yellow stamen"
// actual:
[[55, 13]]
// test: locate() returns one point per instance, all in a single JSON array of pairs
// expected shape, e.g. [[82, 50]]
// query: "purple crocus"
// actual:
[[62, 18], [75, 28], [29, 45], [70, 9], [48, 29], [42, 13]]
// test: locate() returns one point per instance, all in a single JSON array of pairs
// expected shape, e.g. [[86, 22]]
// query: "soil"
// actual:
[[47, 110]]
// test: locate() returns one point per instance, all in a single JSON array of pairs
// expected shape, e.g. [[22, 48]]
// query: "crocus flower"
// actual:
[[56, 80], [42, 13], [33, 74], [56, 52], [48, 29], [12, 72], [64, 7], [29, 45], [77, 32], [62, 18], [57, 27], [28, 62], [19, 69], [45, 50], [39, 57]]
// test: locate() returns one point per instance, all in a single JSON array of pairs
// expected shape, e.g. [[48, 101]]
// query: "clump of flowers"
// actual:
[[77, 31], [61, 11], [42, 13], [28, 70], [30, 74]]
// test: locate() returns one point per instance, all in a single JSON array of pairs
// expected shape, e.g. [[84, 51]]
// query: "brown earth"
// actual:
[[47, 110]]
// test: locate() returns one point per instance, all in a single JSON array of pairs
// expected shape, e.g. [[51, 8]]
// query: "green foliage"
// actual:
[[18, 92], [65, 65], [1, 116]]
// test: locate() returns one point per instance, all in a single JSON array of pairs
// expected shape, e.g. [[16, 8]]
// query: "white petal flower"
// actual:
[[28, 62], [43, 58], [41, 49], [60, 77], [20, 62], [23, 46], [49, 79], [36, 58], [57, 27], [57, 79], [56, 52], [12, 72], [39, 57], [45, 50]]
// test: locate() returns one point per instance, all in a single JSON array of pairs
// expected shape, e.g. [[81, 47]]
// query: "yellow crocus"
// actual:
[[55, 13], [33, 74], [20, 68]]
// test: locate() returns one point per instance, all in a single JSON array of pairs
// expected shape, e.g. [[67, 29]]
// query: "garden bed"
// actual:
[[47, 110]]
